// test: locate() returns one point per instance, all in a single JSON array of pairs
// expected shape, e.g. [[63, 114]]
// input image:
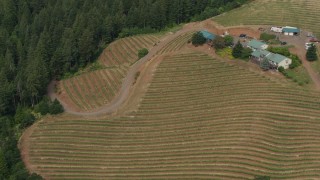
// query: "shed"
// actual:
[[290, 31], [257, 45], [209, 36]]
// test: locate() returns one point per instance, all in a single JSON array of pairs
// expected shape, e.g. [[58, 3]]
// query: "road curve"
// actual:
[[127, 82]]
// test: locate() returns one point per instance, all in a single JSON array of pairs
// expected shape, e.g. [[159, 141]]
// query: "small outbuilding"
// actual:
[[257, 45], [209, 36], [290, 31]]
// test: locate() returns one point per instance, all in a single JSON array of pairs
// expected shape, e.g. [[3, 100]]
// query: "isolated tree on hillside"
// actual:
[[198, 39], [237, 50], [143, 52], [312, 53]]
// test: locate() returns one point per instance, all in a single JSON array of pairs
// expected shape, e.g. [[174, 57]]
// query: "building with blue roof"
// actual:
[[290, 31], [257, 45], [209, 36]]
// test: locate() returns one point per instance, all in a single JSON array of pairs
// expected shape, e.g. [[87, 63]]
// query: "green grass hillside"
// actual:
[[301, 13], [200, 119]]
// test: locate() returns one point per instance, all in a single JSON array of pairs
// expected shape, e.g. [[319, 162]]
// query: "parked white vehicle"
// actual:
[[308, 45], [276, 29]]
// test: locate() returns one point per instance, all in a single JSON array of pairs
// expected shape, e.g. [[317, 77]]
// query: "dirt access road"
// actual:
[[128, 81], [127, 84], [299, 49]]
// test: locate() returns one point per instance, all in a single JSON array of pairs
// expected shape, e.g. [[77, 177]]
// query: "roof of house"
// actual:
[[290, 29], [260, 53], [277, 58], [208, 35], [256, 44]]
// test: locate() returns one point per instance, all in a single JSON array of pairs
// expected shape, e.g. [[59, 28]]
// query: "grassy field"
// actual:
[[200, 119], [301, 13], [92, 90], [299, 75], [316, 64]]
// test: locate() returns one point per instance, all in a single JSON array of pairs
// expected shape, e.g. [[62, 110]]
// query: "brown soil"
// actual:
[[129, 95], [24, 146], [207, 24], [141, 86], [212, 26]]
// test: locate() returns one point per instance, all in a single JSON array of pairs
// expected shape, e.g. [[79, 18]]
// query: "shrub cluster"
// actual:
[[241, 52], [312, 53], [285, 52], [198, 39], [222, 42], [267, 37], [49, 107], [143, 52]]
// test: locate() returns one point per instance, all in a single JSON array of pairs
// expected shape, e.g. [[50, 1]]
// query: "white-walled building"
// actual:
[[276, 60]]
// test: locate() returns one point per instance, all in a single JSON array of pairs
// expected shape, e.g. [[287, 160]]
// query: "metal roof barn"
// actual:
[[208, 35]]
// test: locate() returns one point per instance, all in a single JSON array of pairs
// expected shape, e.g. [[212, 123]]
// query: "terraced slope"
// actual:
[[301, 13], [92, 90], [177, 43], [125, 51], [201, 118]]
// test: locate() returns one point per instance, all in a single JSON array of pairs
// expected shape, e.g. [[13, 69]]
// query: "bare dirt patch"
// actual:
[[212, 26]]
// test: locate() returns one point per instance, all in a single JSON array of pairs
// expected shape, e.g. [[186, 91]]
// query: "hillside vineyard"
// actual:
[[304, 14], [205, 119], [90, 91]]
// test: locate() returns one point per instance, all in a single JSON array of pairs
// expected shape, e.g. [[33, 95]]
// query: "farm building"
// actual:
[[275, 60], [209, 36], [290, 31], [257, 45]]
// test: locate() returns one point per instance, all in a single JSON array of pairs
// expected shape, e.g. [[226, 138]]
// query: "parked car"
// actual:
[[314, 40], [310, 35], [283, 43], [242, 35]]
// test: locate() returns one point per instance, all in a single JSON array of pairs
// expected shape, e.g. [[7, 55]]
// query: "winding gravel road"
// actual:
[[127, 82]]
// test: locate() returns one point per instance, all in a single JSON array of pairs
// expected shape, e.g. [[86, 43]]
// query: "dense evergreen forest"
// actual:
[[43, 40]]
